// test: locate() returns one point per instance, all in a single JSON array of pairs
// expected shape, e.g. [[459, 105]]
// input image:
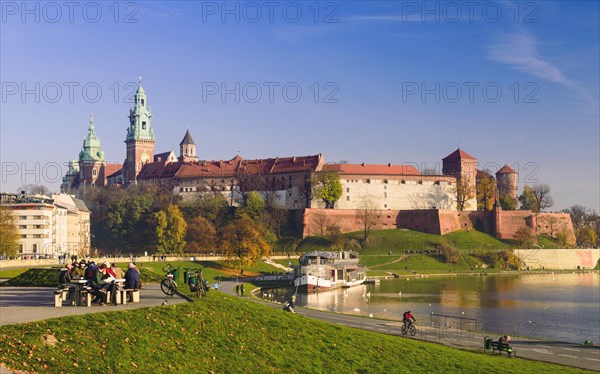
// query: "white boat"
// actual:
[[322, 270]]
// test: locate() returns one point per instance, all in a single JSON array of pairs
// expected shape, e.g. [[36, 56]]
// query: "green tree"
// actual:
[[485, 190], [210, 205], [170, 229], [245, 241], [9, 236], [536, 198], [328, 187], [508, 202], [254, 206], [201, 235], [528, 200], [128, 222]]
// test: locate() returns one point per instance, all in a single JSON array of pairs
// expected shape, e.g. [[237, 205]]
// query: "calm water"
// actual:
[[564, 307]]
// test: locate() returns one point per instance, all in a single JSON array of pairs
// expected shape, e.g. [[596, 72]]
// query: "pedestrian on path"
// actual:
[[242, 289]]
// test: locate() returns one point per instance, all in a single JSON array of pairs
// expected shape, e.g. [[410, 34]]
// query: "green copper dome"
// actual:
[[91, 150]]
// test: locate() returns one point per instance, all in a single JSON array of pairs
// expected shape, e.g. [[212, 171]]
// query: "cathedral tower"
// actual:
[[140, 137], [187, 148], [91, 159]]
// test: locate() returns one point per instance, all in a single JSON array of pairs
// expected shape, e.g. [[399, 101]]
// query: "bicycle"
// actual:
[[409, 328], [199, 284], [168, 285]]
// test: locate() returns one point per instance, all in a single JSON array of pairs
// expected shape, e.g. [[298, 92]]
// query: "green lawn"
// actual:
[[12, 272], [224, 334]]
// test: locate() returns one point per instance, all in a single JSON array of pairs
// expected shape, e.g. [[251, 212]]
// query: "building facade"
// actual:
[[50, 226]]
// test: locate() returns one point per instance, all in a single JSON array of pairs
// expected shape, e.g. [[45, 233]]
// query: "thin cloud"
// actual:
[[519, 51]]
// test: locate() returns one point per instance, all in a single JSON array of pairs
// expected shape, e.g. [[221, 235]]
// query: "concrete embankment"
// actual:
[[559, 258]]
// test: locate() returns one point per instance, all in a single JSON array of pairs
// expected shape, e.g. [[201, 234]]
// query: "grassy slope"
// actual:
[[229, 335], [375, 254]]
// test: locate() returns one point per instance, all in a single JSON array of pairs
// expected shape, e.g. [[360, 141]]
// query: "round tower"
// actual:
[[506, 181]]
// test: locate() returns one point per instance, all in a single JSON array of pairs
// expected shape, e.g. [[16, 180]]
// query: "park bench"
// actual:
[[497, 346]]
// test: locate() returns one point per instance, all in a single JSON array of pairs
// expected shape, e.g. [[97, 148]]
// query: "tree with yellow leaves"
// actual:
[[245, 241]]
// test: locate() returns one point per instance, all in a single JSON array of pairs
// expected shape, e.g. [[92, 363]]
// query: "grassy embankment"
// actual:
[[411, 251], [225, 334]]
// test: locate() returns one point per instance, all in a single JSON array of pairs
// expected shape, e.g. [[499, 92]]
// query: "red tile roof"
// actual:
[[229, 168], [506, 170], [459, 153], [110, 169], [372, 169]]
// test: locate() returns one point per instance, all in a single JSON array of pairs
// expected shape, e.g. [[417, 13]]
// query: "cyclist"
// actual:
[[406, 319]]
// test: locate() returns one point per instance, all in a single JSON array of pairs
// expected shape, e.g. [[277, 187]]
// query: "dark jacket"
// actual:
[[64, 277], [132, 279]]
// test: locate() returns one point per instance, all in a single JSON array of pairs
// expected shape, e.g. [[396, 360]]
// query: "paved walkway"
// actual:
[[576, 355], [24, 304]]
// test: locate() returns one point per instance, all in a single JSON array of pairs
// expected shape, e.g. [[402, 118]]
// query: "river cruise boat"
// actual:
[[321, 270]]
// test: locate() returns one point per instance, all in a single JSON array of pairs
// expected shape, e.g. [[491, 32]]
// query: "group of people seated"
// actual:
[[101, 278]]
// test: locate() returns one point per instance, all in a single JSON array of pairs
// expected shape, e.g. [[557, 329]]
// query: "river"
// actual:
[[564, 307]]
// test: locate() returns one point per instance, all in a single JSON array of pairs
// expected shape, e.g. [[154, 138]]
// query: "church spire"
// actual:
[[140, 117], [91, 150]]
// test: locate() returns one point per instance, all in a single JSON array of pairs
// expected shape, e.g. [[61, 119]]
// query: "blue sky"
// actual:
[[366, 64]]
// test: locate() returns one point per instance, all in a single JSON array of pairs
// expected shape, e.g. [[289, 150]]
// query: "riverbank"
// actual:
[[221, 333]]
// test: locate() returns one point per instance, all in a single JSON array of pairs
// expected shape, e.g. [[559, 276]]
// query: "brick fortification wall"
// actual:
[[442, 222]]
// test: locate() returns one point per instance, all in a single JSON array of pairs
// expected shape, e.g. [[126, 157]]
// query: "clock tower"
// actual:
[[140, 137]]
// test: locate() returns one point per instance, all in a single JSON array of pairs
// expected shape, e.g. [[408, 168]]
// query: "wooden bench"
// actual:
[[497, 346], [135, 295]]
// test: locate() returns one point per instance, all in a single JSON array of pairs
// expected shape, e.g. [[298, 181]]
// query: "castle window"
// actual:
[[347, 198], [368, 181], [385, 206], [142, 102], [403, 181], [347, 189], [94, 172], [143, 125], [385, 195], [385, 181]]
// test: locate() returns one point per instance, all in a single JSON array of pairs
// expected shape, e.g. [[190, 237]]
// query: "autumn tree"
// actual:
[[367, 216], [327, 187], [9, 236], [524, 237], [485, 190], [210, 205], [201, 235], [245, 241], [170, 229], [318, 223], [463, 192], [587, 237]]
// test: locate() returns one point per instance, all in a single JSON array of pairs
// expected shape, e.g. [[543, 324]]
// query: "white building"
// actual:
[[50, 226]]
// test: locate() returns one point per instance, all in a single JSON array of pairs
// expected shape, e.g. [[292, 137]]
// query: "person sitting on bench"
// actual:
[[64, 278]]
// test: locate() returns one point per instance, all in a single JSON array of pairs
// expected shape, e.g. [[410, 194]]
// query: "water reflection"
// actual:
[[550, 306]]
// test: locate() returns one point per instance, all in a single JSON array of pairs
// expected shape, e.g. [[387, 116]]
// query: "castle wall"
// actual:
[[316, 220], [426, 220], [512, 221], [398, 192], [552, 224]]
